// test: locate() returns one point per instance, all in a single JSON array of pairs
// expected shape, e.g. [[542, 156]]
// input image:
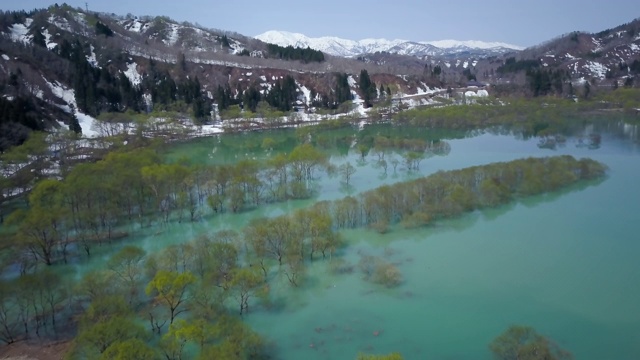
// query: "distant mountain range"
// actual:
[[351, 48]]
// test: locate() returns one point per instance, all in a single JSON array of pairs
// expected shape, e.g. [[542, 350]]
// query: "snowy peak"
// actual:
[[350, 48], [473, 44]]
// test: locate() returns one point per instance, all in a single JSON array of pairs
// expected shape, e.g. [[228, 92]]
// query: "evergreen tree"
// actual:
[[343, 91], [102, 29], [38, 39], [223, 98], [367, 87], [224, 40], [251, 98], [283, 94]]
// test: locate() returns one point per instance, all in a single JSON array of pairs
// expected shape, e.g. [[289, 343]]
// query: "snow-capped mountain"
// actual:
[[350, 48]]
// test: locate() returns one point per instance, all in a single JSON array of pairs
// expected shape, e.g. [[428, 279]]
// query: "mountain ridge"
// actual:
[[351, 48]]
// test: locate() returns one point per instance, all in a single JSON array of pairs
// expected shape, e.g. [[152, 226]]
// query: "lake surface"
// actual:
[[564, 263]]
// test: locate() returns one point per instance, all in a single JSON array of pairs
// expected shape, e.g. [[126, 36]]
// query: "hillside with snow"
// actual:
[[351, 48], [131, 64]]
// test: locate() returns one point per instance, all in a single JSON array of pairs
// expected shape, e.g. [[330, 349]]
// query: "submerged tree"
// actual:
[[524, 343], [171, 288]]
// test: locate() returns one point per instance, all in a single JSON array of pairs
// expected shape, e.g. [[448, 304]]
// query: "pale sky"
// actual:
[[518, 22]]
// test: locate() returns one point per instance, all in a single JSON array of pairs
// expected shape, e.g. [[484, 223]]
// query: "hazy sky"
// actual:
[[519, 22]]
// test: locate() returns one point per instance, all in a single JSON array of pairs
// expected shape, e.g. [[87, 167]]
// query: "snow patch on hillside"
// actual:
[[62, 23], [133, 75], [597, 44], [91, 59], [174, 35], [19, 32], [359, 105], [6, 57], [68, 96], [596, 69], [306, 94], [47, 39], [136, 25], [352, 81]]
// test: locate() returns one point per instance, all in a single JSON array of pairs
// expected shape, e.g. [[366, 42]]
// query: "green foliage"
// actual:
[[107, 327], [43, 227], [239, 342], [245, 283], [520, 115], [172, 289], [94, 340], [131, 349], [127, 266], [451, 193]]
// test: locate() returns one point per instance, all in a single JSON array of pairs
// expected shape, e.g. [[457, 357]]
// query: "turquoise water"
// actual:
[[564, 263]]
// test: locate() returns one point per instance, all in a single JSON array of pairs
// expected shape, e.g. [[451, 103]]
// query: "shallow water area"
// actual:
[[564, 263]]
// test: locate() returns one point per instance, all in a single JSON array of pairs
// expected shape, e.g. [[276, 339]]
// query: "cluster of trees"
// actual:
[[182, 294], [295, 53], [103, 29], [445, 194], [342, 88], [87, 207], [17, 117], [528, 117], [185, 96], [188, 286], [511, 65], [544, 82], [281, 97], [224, 98], [283, 94], [97, 89]]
